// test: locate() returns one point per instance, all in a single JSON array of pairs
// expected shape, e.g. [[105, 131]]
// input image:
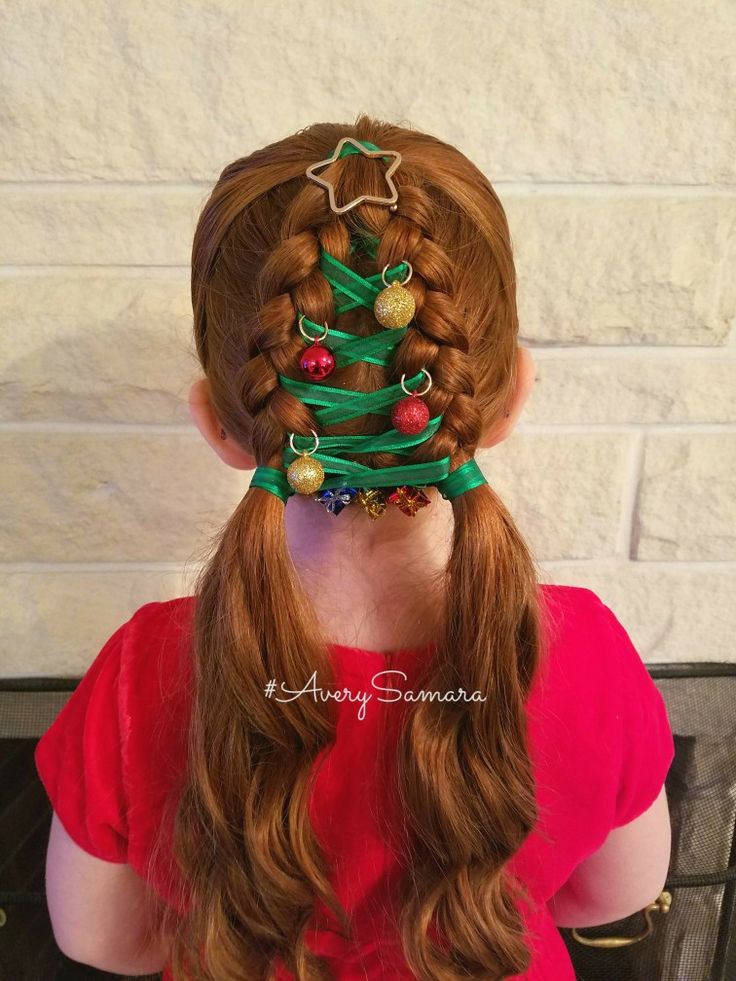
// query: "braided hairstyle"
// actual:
[[254, 870]]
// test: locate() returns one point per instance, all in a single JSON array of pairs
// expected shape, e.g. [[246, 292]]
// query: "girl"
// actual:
[[371, 744]]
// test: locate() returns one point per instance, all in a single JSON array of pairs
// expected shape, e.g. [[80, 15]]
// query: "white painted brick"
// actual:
[[629, 386], [151, 98], [111, 497], [55, 622], [687, 500], [563, 490], [607, 269], [172, 91], [139, 226], [97, 344], [671, 613]]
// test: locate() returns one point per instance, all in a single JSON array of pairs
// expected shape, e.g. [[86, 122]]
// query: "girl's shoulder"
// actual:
[[580, 631], [158, 635], [595, 703], [569, 605], [590, 672]]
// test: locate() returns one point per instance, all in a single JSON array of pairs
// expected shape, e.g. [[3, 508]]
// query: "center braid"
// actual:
[[349, 479]]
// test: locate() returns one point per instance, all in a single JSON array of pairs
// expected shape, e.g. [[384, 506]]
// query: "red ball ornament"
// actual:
[[410, 416], [317, 362]]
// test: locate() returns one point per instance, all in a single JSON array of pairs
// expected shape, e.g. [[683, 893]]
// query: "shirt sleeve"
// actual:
[[645, 735], [79, 759]]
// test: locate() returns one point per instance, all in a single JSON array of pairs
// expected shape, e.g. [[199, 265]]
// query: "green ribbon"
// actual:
[[347, 348], [462, 479], [341, 404], [351, 290], [272, 480], [349, 148], [391, 441]]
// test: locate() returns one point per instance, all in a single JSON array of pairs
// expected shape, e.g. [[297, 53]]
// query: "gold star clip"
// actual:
[[363, 197]]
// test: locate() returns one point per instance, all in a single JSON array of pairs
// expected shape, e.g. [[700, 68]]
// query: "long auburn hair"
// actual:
[[242, 837]]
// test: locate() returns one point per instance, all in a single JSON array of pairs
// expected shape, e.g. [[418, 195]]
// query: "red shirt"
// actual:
[[599, 736]]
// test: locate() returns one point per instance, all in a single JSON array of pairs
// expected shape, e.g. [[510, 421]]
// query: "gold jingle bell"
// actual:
[[395, 306], [305, 474]]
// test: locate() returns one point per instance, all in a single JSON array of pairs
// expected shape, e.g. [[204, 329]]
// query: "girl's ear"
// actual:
[[201, 411], [524, 385]]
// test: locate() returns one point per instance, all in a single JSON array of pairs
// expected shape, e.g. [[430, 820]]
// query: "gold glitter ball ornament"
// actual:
[[305, 474], [373, 500], [394, 306]]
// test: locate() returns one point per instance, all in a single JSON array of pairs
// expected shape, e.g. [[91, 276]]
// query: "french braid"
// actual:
[[438, 341]]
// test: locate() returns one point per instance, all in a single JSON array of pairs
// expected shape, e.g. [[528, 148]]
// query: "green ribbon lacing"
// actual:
[[351, 290]]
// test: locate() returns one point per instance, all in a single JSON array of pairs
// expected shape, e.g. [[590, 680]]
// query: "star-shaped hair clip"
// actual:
[[359, 148]]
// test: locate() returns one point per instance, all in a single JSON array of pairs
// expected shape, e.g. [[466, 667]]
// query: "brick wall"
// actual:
[[608, 131]]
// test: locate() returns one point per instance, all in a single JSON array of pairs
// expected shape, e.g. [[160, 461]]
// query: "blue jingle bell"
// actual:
[[335, 500]]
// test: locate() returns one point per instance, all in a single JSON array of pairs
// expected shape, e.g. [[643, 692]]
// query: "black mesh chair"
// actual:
[[28, 951], [692, 941]]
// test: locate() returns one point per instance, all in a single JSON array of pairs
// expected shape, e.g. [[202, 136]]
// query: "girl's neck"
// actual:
[[377, 583]]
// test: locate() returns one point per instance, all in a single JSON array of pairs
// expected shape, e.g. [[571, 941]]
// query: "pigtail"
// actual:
[[465, 780], [242, 831]]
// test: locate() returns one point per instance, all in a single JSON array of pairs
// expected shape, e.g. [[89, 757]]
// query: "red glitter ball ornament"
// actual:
[[317, 362], [410, 416]]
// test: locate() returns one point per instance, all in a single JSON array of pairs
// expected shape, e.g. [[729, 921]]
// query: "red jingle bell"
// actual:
[[410, 416], [317, 361]]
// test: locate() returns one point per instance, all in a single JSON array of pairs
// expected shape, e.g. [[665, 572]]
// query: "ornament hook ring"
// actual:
[[304, 452], [429, 384], [404, 262], [314, 340]]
